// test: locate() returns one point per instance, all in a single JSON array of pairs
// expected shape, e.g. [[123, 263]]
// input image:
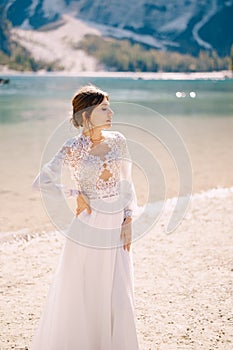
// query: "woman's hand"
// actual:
[[82, 204], [126, 233]]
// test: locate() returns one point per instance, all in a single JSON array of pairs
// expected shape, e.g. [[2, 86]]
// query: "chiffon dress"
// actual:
[[90, 304]]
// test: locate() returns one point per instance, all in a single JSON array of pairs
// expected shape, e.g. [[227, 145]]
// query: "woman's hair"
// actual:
[[85, 100]]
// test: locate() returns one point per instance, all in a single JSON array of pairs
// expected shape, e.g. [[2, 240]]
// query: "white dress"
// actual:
[[90, 304]]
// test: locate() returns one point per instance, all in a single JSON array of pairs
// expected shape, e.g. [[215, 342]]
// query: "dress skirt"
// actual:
[[90, 303]]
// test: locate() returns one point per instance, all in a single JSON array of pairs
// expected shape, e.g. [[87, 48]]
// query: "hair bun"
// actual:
[[86, 99]]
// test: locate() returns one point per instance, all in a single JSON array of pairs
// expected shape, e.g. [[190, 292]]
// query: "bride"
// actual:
[[90, 304]]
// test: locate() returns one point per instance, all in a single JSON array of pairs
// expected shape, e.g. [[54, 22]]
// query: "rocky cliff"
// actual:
[[178, 25]]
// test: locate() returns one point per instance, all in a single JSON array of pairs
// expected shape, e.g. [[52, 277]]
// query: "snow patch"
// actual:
[[119, 33], [33, 6], [212, 10], [228, 3], [26, 25], [59, 45], [178, 24], [53, 7]]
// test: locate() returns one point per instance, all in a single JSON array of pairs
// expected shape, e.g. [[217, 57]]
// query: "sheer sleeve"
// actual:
[[131, 207], [48, 180]]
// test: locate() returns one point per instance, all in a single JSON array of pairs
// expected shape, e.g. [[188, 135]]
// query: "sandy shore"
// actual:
[[209, 146], [183, 281]]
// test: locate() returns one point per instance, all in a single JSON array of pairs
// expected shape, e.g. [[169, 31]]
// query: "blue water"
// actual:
[[29, 97]]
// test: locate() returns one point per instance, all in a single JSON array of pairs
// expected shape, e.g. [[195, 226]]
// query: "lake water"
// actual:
[[200, 111], [30, 98]]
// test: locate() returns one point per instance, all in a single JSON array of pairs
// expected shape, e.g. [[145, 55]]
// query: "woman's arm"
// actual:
[[129, 194], [131, 207], [48, 180]]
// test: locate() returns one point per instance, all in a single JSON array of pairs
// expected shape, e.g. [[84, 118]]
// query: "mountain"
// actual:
[[177, 25], [4, 32]]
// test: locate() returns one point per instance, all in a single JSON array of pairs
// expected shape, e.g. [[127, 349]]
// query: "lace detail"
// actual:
[[87, 167], [96, 171]]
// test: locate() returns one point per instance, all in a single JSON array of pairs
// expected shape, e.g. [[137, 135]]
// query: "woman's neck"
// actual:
[[94, 133]]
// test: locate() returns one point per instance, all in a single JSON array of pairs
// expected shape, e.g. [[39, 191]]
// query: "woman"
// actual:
[[90, 304]]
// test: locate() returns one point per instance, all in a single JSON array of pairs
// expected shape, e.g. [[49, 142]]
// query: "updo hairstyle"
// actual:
[[85, 100]]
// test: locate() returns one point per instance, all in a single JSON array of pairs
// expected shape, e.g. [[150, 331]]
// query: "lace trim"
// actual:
[[86, 168]]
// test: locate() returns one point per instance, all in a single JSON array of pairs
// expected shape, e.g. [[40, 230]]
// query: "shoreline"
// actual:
[[182, 283], [215, 75]]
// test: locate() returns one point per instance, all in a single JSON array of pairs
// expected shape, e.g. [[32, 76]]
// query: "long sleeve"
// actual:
[[131, 207], [48, 181]]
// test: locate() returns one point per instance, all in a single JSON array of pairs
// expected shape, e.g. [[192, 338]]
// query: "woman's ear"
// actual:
[[84, 119]]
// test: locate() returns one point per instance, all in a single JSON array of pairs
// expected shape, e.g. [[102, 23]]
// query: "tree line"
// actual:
[[17, 57], [21, 60], [122, 55], [115, 55]]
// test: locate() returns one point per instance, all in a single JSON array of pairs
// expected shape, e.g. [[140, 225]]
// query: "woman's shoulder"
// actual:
[[69, 142], [81, 141], [68, 146], [114, 134], [78, 141]]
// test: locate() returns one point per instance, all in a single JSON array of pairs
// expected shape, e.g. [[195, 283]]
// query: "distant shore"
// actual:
[[215, 75]]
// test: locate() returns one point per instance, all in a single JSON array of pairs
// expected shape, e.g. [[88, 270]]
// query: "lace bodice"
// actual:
[[97, 171], [88, 164]]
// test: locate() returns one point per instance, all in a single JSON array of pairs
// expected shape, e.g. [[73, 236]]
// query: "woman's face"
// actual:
[[101, 115]]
